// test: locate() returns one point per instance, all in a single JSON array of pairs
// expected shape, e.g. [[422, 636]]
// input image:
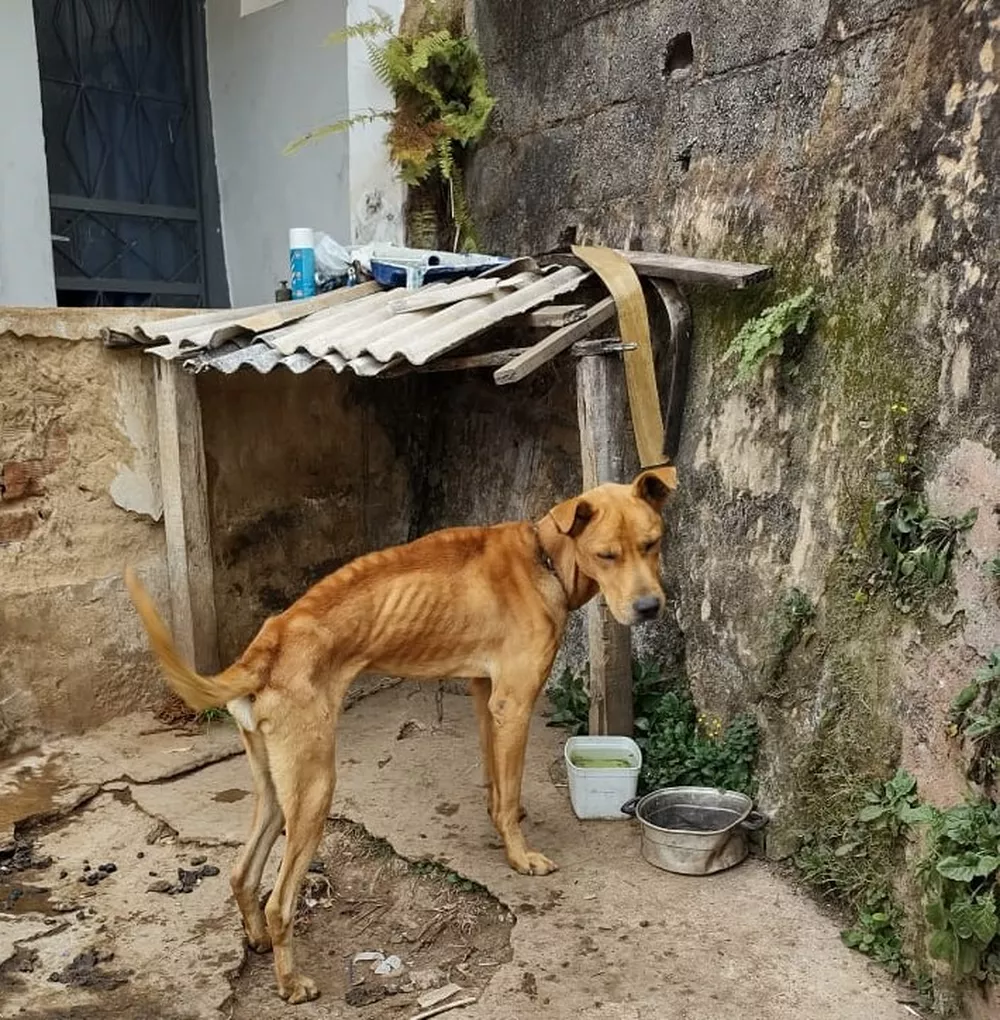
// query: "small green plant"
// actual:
[[764, 336], [975, 715], [442, 101], [915, 543], [680, 746], [894, 807], [912, 548], [432, 869], [789, 624], [878, 933], [570, 704], [992, 568], [211, 715], [960, 875], [855, 866]]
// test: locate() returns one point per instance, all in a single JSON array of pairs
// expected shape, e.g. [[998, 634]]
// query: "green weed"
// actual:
[[680, 746], [764, 336], [211, 715], [975, 716], [960, 876]]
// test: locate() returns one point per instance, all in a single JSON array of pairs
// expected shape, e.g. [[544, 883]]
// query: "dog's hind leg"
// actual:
[[267, 823], [301, 752], [516, 686]]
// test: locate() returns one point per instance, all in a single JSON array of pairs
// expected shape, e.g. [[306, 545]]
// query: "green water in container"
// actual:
[[595, 761]]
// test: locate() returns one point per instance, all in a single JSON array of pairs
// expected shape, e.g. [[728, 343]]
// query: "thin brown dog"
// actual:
[[483, 603]]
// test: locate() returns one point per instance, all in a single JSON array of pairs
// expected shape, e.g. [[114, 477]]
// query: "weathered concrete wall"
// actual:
[[77, 443], [304, 473], [302, 477]]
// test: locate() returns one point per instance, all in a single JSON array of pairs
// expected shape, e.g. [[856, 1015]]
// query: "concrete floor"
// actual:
[[607, 936]]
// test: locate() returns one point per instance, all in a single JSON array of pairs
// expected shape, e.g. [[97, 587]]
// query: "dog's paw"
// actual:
[[298, 988], [534, 863]]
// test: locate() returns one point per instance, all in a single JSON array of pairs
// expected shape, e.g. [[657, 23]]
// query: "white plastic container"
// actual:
[[597, 792]]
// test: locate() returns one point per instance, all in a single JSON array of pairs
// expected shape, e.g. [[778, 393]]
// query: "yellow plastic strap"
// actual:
[[620, 278]]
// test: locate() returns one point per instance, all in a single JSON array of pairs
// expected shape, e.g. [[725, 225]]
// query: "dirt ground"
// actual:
[[110, 904]]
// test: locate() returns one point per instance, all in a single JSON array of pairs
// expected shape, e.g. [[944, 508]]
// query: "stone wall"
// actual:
[[854, 146]]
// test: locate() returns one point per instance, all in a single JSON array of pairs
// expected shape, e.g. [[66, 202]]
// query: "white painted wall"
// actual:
[[376, 195], [26, 274], [271, 79]]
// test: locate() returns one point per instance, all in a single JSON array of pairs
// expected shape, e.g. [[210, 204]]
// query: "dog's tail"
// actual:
[[198, 692]]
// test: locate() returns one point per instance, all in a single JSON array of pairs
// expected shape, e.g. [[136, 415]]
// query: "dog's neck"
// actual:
[[557, 554]]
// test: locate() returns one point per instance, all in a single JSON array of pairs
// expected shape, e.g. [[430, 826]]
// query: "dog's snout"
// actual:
[[647, 607]]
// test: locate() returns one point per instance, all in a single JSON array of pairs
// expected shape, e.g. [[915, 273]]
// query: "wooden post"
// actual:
[[608, 453], [185, 517]]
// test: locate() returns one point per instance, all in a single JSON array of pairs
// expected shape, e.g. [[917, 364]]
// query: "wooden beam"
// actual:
[[599, 345], [683, 269], [489, 359], [608, 455], [555, 343], [555, 316], [503, 356], [185, 517]]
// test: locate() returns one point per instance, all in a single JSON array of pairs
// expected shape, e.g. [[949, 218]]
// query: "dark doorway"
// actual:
[[131, 166]]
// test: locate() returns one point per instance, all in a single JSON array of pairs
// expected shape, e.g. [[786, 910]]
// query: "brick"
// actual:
[[16, 525], [22, 478]]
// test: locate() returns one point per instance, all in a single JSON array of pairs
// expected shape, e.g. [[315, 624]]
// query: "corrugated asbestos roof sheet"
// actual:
[[364, 329]]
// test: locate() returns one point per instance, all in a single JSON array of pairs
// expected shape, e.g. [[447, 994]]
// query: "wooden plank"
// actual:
[[555, 316], [555, 343], [185, 517], [633, 324], [608, 455], [602, 345], [491, 359], [684, 269]]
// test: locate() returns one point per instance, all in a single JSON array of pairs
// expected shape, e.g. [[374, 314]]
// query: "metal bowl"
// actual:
[[694, 830]]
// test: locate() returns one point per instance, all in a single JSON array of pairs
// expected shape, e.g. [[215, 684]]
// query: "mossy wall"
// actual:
[[854, 147]]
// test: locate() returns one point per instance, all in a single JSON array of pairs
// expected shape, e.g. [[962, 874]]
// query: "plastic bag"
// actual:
[[333, 261]]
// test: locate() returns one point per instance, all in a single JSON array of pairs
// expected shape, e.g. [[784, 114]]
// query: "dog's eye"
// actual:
[[650, 546], [607, 554]]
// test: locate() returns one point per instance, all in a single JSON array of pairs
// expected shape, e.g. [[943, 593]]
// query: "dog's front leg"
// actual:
[[510, 705]]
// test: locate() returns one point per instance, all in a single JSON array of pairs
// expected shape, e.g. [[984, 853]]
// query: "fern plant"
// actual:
[[442, 102], [764, 336]]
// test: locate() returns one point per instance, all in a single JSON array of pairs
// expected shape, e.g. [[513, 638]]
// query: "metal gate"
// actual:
[[124, 106]]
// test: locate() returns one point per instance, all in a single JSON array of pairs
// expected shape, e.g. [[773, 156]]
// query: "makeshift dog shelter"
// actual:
[[630, 387]]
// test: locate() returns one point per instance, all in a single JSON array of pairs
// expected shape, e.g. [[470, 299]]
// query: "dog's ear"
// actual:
[[572, 516], [655, 485]]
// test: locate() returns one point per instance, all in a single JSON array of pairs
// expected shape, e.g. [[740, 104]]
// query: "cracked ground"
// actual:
[[110, 905]]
